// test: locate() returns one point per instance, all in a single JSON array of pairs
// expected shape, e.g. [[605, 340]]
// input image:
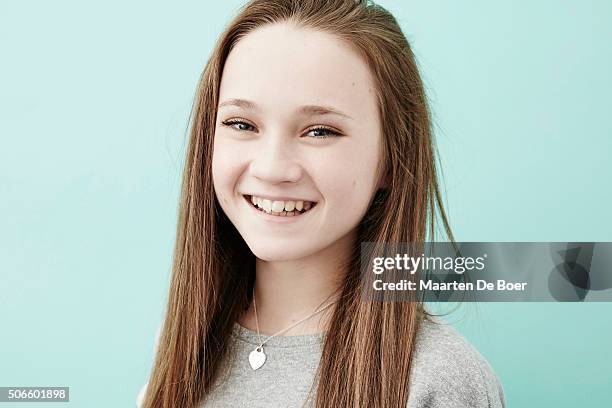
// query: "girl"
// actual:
[[310, 134]]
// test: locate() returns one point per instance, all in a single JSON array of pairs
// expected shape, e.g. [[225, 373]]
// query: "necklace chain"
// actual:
[[317, 311]]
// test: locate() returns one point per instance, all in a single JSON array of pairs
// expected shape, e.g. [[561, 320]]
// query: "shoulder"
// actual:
[[143, 389], [447, 371], [141, 395]]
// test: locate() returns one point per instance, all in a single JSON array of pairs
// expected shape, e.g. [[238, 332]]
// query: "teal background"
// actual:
[[94, 102]]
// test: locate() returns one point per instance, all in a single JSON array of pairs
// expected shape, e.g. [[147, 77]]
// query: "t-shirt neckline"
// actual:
[[251, 337]]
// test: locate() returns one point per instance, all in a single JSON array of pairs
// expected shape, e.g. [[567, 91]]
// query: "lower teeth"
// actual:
[[287, 213]]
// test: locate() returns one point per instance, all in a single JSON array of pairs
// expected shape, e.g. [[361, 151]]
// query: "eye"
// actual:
[[322, 132], [238, 125], [318, 132]]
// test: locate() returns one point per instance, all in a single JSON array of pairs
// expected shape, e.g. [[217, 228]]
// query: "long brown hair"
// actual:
[[369, 345]]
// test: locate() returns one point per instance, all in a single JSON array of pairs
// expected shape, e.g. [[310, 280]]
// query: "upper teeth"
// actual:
[[280, 206]]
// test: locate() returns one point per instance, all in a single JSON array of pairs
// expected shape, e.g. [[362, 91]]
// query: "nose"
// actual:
[[274, 160]]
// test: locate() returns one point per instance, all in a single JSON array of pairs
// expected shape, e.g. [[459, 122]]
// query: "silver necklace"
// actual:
[[257, 357]]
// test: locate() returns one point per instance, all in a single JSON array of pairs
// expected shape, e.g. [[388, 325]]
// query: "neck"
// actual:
[[288, 291]]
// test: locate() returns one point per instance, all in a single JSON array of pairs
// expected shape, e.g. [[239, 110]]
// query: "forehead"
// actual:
[[280, 67]]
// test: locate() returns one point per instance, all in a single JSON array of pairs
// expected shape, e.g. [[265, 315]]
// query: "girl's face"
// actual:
[[297, 122]]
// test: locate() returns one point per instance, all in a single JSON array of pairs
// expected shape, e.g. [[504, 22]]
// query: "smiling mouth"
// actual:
[[289, 208]]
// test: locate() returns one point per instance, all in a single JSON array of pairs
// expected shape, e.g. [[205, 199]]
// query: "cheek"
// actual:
[[347, 178], [225, 170]]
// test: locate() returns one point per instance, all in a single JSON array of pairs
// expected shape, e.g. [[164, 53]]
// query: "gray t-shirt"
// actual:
[[446, 372]]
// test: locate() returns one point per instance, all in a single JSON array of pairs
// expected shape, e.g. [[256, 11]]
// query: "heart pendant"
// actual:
[[257, 358]]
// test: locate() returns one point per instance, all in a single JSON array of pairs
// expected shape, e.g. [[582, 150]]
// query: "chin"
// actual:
[[273, 252]]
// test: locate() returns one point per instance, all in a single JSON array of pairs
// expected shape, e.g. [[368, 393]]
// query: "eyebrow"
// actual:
[[311, 110]]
